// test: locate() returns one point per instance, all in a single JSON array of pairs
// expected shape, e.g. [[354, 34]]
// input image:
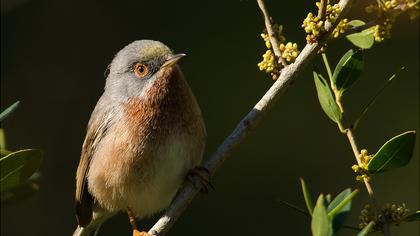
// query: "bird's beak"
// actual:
[[171, 60]]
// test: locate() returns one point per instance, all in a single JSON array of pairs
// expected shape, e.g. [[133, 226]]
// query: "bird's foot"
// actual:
[[200, 178], [133, 223], [136, 232]]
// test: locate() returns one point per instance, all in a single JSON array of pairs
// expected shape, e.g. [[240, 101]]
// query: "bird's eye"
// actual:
[[140, 70]]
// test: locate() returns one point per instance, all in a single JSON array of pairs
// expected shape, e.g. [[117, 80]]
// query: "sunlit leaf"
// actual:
[[348, 70], [320, 225], [366, 229], [395, 153], [326, 98], [2, 139], [340, 207], [363, 39], [9, 111], [307, 196], [18, 166]]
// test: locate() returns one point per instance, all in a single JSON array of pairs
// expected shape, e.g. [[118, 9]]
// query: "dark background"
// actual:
[[54, 53]]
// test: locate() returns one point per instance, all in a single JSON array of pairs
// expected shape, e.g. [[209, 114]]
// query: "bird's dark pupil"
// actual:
[[141, 69]]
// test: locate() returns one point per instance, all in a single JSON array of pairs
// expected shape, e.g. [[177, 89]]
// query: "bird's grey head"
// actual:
[[134, 68]]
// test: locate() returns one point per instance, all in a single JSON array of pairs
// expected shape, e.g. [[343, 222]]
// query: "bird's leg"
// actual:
[[200, 177], [133, 223]]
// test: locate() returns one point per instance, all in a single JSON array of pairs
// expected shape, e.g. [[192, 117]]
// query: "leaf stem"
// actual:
[[327, 66], [337, 94]]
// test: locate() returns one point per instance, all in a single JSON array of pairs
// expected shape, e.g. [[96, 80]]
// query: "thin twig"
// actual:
[[287, 75], [322, 9], [271, 33], [373, 99], [353, 144], [298, 209], [350, 136]]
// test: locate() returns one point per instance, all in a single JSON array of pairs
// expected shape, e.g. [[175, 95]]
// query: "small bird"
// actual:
[[144, 136]]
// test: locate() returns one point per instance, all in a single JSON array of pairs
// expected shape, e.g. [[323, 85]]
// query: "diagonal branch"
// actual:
[[288, 74]]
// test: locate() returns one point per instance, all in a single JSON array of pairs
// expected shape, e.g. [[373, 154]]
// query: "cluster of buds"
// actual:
[[278, 34], [314, 26], [341, 27], [382, 31], [269, 63], [392, 213], [331, 12], [289, 51], [388, 11], [367, 215], [361, 170]]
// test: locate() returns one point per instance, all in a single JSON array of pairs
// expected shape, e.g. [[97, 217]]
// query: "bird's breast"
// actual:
[[146, 154]]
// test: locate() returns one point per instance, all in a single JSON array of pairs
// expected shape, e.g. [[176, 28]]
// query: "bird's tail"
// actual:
[[93, 227], [86, 231]]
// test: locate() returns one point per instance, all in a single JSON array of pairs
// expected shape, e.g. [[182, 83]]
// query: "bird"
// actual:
[[145, 135]]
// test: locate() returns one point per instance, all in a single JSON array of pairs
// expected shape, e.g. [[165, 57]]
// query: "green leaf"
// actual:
[[342, 202], [320, 225], [21, 192], [348, 70], [328, 199], [363, 39], [395, 153], [17, 167], [326, 98], [366, 229], [340, 217], [413, 217], [2, 139], [340, 207], [307, 196], [9, 111]]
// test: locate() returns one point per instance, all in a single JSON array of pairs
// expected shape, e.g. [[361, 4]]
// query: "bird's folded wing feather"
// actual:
[[97, 128]]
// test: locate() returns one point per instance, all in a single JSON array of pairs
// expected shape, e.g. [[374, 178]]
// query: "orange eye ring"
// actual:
[[141, 70]]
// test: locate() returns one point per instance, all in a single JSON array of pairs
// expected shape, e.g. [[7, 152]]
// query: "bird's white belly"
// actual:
[[171, 165], [148, 186]]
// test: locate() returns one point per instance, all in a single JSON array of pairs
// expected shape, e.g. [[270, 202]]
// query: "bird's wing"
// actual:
[[97, 128]]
